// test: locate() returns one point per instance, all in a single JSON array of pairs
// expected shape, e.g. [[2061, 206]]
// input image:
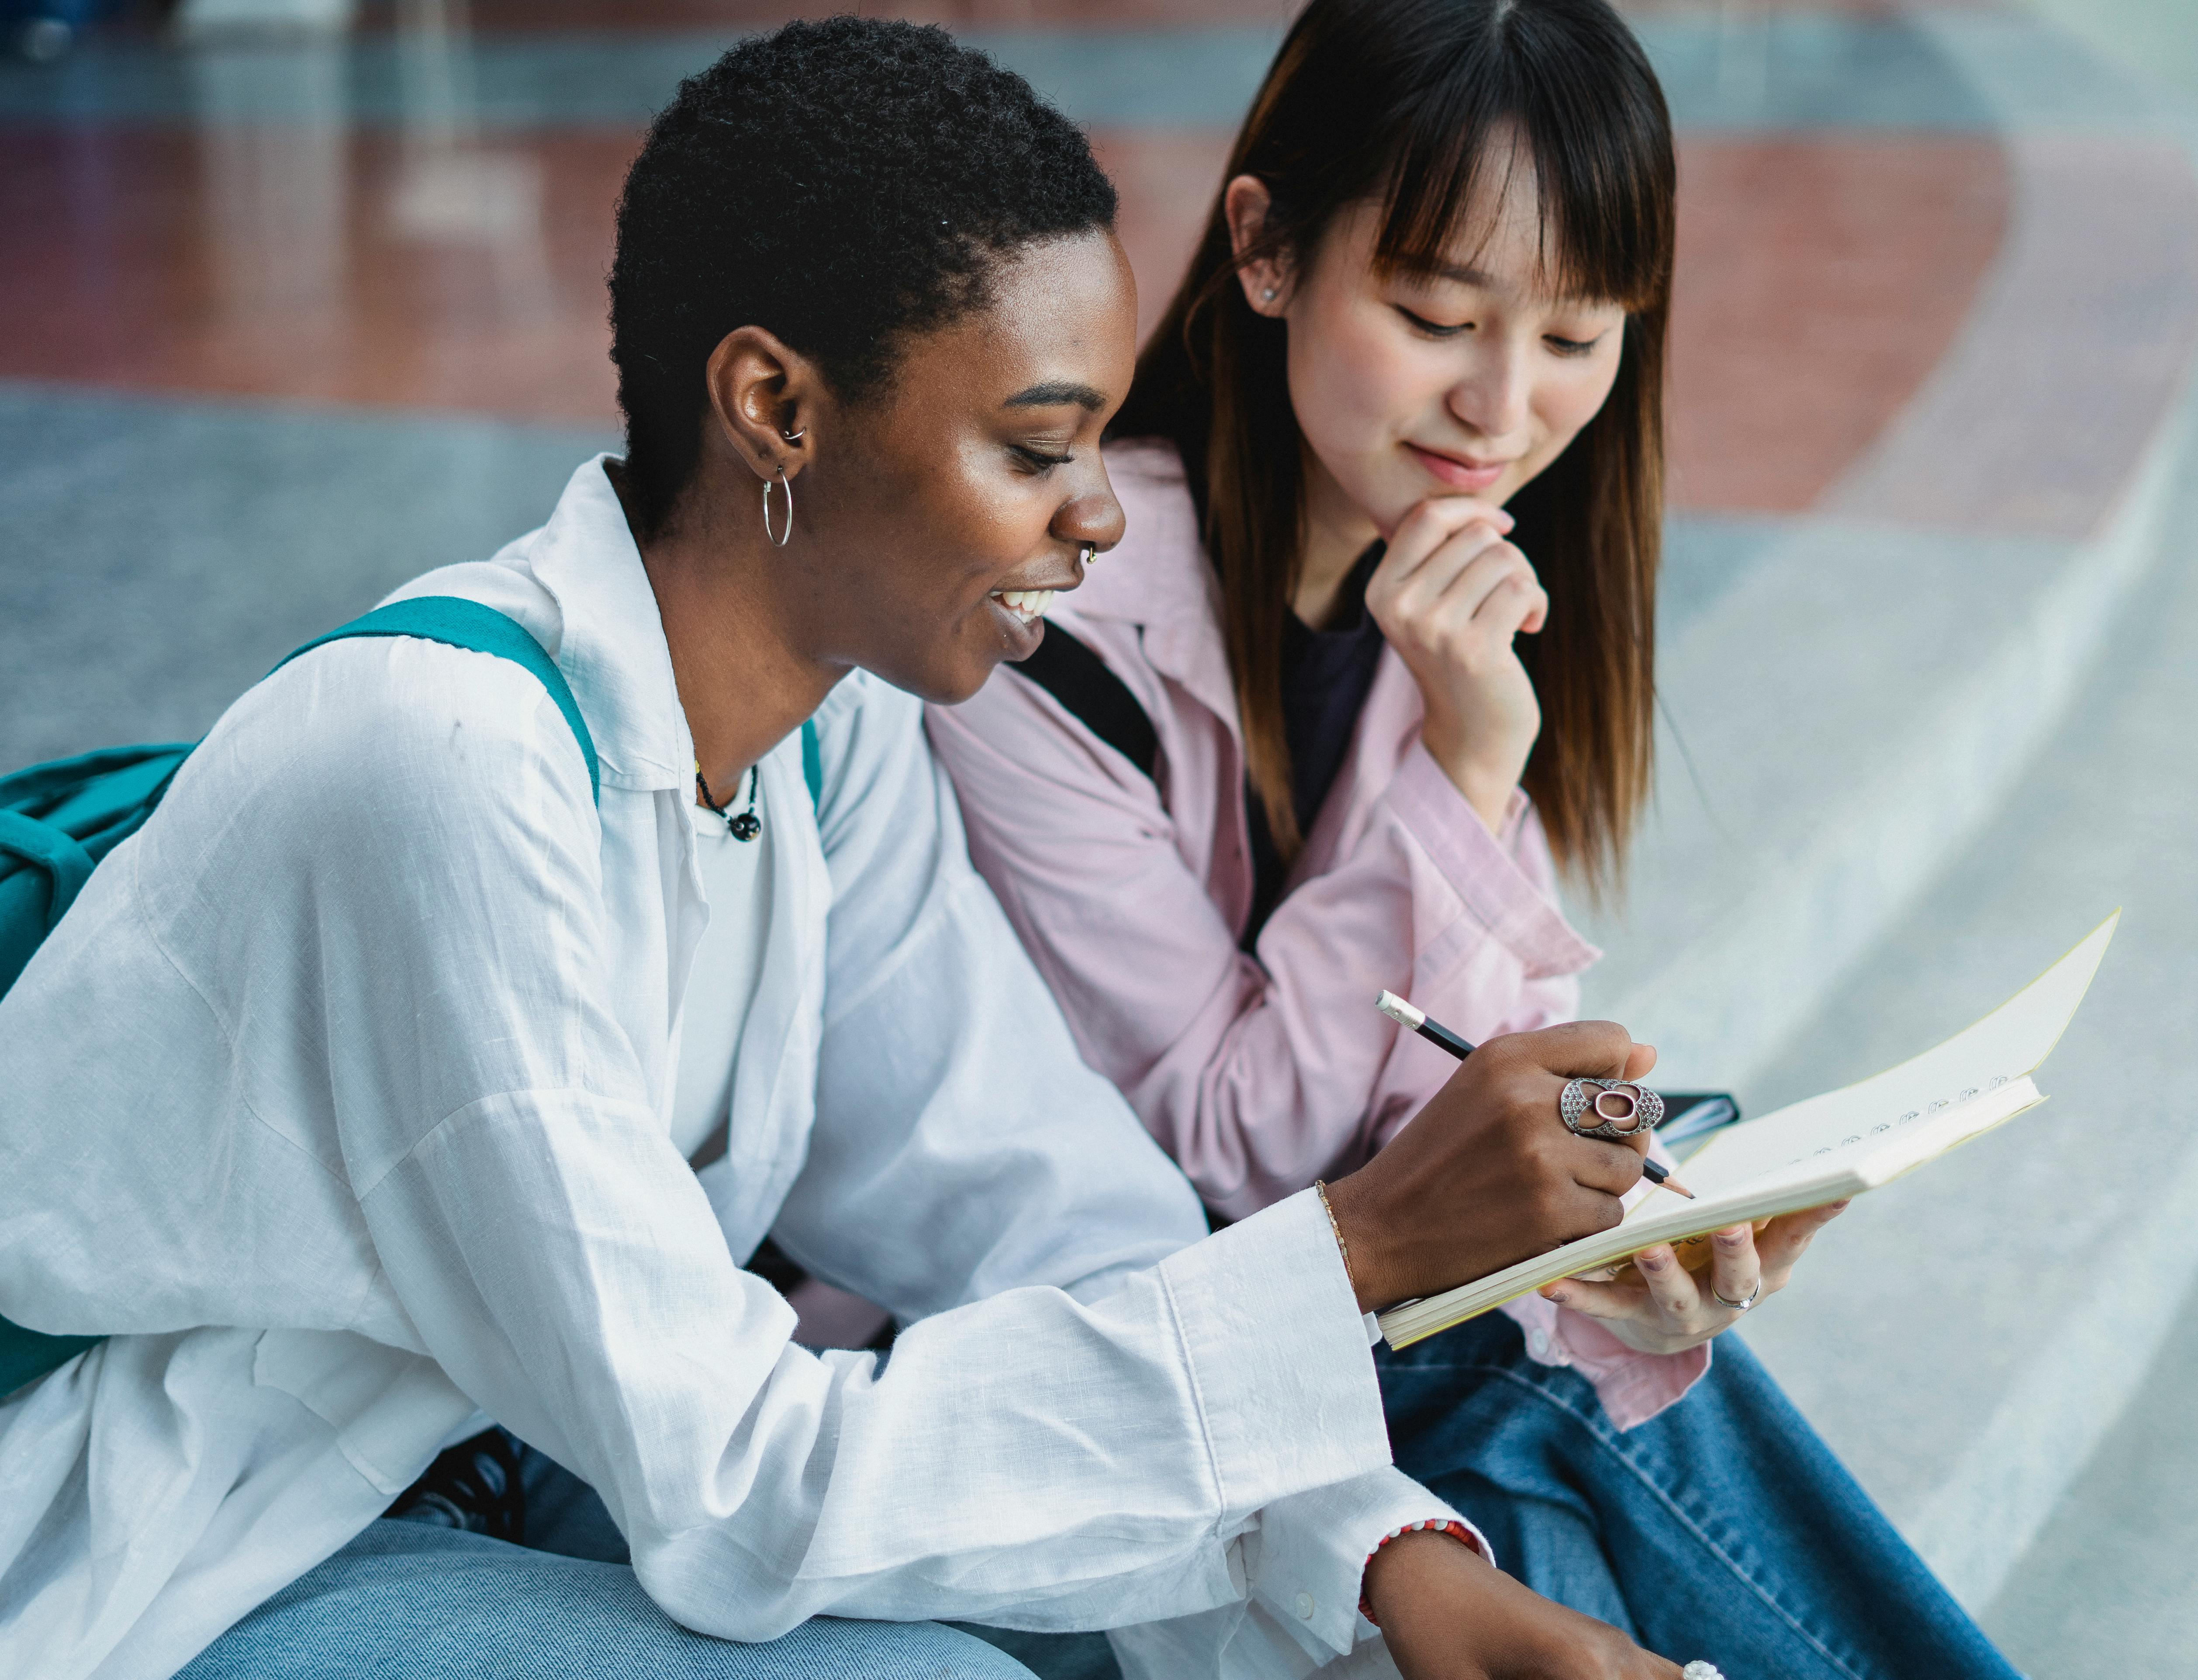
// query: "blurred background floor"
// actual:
[[416, 215], [289, 314]]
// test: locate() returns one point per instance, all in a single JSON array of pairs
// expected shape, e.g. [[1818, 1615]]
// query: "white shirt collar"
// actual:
[[612, 647]]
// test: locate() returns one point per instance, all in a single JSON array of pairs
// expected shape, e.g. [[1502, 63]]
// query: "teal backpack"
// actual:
[[58, 820]]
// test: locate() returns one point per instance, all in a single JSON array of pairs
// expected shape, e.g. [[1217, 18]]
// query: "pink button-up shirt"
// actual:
[[1260, 1074]]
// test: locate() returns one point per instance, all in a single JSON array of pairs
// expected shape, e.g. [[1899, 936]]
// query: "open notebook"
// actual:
[[1820, 1150]]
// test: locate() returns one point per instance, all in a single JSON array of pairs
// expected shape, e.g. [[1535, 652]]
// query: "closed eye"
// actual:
[[1571, 346], [1434, 329], [1037, 460]]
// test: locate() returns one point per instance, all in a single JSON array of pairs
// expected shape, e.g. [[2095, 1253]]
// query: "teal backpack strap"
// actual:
[[54, 850], [28, 1355], [812, 765], [458, 622], [85, 806]]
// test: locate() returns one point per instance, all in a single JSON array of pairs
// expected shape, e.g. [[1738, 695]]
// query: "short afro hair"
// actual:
[[844, 184]]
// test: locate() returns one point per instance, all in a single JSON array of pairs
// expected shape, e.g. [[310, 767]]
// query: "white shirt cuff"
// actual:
[[1313, 1548], [1277, 1354]]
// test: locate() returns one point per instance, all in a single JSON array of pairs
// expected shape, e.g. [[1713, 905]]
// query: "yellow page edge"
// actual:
[[1800, 1202]]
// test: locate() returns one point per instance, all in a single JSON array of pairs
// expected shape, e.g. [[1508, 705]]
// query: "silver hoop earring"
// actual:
[[778, 542], [793, 437]]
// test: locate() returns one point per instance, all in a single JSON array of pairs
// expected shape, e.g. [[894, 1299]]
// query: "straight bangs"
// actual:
[[1603, 177]]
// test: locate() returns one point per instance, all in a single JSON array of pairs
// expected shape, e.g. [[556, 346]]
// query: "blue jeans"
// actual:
[[414, 1600], [1723, 1528]]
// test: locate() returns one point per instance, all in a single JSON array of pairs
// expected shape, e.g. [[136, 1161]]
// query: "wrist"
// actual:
[[1358, 1231], [1489, 798], [1397, 1567], [1485, 783]]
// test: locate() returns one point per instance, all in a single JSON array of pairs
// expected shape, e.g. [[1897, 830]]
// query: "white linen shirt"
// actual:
[[721, 980], [341, 1101]]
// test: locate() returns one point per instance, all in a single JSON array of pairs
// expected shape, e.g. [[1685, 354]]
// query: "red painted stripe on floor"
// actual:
[[1820, 280]]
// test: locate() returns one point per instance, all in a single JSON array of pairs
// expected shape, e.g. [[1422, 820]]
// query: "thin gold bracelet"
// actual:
[[1321, 1186]]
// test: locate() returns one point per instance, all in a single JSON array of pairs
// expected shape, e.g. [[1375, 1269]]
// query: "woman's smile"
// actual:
[[1024, 605], [1020, 605], [1019, 620], [1020, 614]]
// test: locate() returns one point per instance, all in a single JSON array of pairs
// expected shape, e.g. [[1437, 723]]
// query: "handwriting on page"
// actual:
[[1935, 1106]]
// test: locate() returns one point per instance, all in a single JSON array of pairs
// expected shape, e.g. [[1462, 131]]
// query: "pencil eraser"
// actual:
[[1399, 1011]]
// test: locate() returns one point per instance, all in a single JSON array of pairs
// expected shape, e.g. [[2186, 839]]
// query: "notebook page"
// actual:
[[1876, 1148], [1841, 1143], [2005, 1046]]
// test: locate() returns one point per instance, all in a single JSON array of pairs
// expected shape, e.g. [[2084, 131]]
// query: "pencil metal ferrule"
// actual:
[[1407, 1015]]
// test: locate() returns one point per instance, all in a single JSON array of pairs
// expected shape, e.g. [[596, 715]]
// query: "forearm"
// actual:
[[1089, 1462]]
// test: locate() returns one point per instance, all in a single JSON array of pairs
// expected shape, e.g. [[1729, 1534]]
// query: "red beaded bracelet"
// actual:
[[1457, 1531]]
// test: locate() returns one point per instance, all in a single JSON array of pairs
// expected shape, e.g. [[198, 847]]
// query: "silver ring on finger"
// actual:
[[1738, 1306], [1611, 1109]]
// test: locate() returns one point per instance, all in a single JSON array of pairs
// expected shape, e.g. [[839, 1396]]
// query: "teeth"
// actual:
[[1024, 604]]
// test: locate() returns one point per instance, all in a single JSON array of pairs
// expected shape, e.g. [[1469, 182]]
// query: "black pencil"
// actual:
[[1406, 1014]]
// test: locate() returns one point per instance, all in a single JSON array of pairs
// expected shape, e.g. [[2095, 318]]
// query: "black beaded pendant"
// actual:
[[741, 825]]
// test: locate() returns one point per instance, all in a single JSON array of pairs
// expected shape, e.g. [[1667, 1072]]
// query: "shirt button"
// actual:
[[1539, 1344], [1304, 1607]]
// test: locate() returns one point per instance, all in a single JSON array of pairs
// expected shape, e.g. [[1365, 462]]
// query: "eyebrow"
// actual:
[[1055, 395]]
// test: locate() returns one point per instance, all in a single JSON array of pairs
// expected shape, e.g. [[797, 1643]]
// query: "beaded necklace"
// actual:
[[741, 825]]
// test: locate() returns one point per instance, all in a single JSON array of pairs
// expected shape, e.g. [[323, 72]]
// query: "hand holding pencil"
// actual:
[[1416, 1019], [1661, 1301], [1486, 1174]]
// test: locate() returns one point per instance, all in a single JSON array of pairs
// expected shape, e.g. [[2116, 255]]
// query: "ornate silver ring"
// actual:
[[1617, 1109], [1738, 1306]]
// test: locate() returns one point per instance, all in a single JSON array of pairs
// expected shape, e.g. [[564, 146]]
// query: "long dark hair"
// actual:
[[1397, 101]]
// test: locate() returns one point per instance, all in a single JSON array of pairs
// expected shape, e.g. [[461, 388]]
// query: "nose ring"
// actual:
[[1086, 554]]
